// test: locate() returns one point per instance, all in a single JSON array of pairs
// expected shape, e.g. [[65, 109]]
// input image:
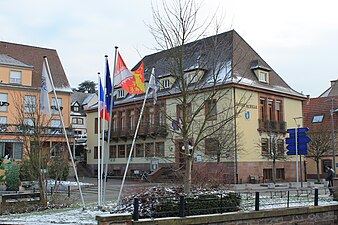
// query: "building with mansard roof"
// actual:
[[259, 102]]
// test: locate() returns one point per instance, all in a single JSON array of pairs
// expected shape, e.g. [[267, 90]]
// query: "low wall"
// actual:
[[312, 215]]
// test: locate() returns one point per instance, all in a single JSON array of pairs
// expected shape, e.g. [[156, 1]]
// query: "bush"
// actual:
[[13, 178], [26, 171], [58, 168]]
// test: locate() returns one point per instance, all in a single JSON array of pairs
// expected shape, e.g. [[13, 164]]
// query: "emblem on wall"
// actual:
[[247, 115]]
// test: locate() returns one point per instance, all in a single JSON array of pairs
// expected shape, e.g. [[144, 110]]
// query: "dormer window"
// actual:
[[165, 83], [263, 76], [120, 93]]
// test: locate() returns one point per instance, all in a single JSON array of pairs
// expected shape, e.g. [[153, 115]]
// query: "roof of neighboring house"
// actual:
[[9, 61], [317, 107], [33, 56], [237, 58], [331, 91], [82, 98]]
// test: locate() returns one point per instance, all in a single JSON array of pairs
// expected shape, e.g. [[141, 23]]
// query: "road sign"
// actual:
[[301, 141]]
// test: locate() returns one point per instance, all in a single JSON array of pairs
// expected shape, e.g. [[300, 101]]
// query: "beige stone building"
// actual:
[[260, 105]]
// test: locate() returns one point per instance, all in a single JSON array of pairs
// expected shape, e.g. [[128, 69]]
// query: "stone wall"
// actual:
[[313, 215]]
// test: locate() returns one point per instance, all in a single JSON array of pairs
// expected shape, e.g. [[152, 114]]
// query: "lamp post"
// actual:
[[332, 137]]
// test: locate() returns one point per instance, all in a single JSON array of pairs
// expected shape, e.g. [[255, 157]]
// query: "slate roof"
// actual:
[[232, 50], [79, 97], [33, 56], [331, 91], [9, 61]]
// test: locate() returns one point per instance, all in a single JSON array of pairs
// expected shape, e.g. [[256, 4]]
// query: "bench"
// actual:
[[20, 197]]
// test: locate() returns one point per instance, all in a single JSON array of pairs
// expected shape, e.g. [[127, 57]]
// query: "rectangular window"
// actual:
[[159, 152], [80, 121], [54, 105], [280, 173], [30, 104], [139, 150], [55, 123], [149, 149], [122, 151], [17, 150], [112, 152], [267, 174], [179, 111], [120, 93], [75, 108], [211, 109], [264, 146], [211, 146], [325, 164], [280, 147], [15, 77], [3, 119], [278, 108], [317, 118], [262, 108], [3, 102], [96, 125], [74, 120], [96, 152], [263, 76], [165, 83]]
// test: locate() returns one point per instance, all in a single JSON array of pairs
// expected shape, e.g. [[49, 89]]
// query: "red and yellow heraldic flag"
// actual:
[[133, 83]]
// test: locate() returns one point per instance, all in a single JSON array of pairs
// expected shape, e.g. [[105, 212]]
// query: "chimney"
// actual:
[[333, 82]]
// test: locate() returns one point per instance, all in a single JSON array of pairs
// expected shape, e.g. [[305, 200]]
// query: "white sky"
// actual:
[[297, 38]]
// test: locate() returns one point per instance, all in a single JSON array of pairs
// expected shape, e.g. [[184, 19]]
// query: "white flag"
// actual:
[[153, 85], [46, 87]]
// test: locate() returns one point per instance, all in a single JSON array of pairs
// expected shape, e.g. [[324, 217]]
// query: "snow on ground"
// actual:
[[55, 216]]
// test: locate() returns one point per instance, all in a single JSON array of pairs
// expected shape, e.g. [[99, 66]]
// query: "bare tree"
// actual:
[[33, 131], [320, 145], [273, 149], [200, 99]]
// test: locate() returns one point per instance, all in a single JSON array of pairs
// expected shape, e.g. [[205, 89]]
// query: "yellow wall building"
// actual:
[[241, 89], [20, 81]]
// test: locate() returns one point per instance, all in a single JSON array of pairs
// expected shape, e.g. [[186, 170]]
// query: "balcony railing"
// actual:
[[159, 130], [272, 125], [21, 129]]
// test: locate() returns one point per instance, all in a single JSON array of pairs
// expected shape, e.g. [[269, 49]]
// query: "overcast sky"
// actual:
[[298, 39]]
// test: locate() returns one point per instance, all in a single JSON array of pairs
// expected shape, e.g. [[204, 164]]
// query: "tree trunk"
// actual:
[[274, 170], [43, 196], [318, 175], [187, 176]]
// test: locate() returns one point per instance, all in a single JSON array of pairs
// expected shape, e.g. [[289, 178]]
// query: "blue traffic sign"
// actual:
[[302, 139]]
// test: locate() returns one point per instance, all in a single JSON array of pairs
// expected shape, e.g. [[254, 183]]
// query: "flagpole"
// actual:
[[98, 147], [109, 127], [132, 145], [64, 129], [102, 150]]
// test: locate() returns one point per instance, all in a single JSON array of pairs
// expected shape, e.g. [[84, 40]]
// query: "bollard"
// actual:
[[68, 191], [136, 214], [182, 206], [257, 202], [316, 197], [288, 203], [51, 191]]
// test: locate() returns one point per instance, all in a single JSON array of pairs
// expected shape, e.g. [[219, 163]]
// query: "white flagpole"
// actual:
[[132, 145], [98, 147], [64, 129], [102, 150], [109, 127]]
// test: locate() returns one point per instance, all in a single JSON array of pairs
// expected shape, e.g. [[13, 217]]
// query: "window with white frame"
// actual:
[[55, 123], [54, 106], [318, 118], [15, 77], [3, 119], [165, 83], [30, 104], [29, 122], [3, 102], [120, 93], [263, 76], [80, 121], [74, 120]]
